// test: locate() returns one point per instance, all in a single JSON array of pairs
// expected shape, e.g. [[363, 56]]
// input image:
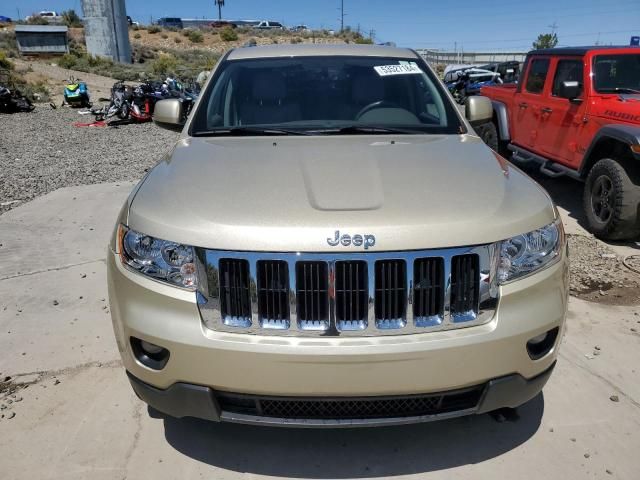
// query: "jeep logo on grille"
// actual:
[[346, 240]]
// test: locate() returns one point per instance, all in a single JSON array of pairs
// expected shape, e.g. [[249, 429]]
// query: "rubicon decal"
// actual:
[[622, 115], [366, 241]]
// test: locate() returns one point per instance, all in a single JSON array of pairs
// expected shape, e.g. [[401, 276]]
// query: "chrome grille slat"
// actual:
[[391, 294], [273, 294], [311, 294]]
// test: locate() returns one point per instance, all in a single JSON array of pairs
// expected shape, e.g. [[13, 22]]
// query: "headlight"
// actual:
[[162, 260], [527, 253]]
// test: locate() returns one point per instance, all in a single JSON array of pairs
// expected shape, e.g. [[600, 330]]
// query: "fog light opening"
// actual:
[[540, 345], [149, 354]]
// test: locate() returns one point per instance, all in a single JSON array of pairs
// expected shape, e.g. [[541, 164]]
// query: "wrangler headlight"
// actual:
[[168, 262], [530, 252]]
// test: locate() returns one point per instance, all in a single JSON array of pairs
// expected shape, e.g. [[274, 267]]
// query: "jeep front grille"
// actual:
[[353, 294]]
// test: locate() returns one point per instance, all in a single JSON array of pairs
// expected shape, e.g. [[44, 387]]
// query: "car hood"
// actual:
[[294, 193]]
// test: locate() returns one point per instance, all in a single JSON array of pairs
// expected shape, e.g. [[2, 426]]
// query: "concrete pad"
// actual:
[[78, 418]]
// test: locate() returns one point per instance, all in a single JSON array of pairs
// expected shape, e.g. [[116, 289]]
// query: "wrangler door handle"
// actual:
[[546, 110], [523, 105]]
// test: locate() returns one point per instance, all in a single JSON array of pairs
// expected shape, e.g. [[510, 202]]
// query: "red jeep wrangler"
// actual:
[[576, 112]]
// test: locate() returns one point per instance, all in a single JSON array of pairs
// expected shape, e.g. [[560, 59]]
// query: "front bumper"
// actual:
[[187, 400], [208, 361]]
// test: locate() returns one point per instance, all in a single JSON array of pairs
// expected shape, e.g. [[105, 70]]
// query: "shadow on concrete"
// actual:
[[351, 453]]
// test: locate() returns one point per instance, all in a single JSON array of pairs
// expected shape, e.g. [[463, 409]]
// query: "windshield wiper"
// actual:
[[248, 131], [365, 130], [619, 90]]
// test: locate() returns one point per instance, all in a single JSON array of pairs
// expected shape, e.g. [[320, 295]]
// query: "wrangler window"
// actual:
[[537, 75], [617, 73], [567, 71]]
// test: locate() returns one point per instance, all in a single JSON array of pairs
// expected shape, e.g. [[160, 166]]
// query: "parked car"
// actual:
[[171, 22], [334, 250], [268, 25], [222, 24], [301, 28], [509, 71], [576, 113], [131, 22], [4, 19]]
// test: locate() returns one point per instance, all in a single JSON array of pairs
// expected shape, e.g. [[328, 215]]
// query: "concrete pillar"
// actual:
[[107, 29]]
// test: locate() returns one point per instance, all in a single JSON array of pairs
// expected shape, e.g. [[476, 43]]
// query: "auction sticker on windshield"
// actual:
[[404, 69]]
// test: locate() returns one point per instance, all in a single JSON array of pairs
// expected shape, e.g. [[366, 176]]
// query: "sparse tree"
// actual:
[[545, 40], [71, 19], [220, 4]]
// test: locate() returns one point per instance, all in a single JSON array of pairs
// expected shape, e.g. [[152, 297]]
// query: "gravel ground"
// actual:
[[42, 151], [599, 275]]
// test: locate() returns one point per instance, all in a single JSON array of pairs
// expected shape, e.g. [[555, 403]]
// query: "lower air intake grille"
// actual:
[[391, 294], [312, 290], [465, 276], [351, 408], [235, 302], [352, 295], [428, 291], [273, 294]]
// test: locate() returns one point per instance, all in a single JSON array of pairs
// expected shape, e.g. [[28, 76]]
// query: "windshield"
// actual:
[[617, 73], [316, 95]]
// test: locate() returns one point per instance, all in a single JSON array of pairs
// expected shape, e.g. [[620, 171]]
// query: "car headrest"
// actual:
[[367, 89], [269, 87]]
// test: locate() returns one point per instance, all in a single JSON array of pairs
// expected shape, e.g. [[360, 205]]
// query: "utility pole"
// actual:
[[220, 4], [372, 34], [342, 15], [553, 27]]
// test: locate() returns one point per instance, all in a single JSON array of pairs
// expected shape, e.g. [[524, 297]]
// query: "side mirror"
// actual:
[[168, 114], [478, 109], [570, 90]]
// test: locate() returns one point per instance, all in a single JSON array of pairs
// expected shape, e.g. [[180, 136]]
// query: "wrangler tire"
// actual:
[[611, 200]]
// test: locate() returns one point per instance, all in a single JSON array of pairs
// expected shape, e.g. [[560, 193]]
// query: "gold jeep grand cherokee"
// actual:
[[330, 244]]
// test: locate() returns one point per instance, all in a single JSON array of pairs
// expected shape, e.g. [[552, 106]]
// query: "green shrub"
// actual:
[[228, 34], [135, 28], [363, 41], [137, 35], [196, 36], [71, 19], [5, 63], [177, 40], [36, 19], [68, 60], [154, 29], [295, 40], [165, 36], [165, 64]]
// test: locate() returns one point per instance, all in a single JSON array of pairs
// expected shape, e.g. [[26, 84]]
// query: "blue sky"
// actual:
[[491, 25]]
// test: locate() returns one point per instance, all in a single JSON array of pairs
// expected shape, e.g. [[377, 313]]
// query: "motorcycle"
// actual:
[[76, 94]]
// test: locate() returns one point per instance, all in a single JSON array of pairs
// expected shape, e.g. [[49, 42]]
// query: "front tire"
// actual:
[[489, 135], [611, 200]]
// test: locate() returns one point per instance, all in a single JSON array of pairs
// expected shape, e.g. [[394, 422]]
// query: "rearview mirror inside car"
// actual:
[[570, 90], [478, 109], [168, 114]]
